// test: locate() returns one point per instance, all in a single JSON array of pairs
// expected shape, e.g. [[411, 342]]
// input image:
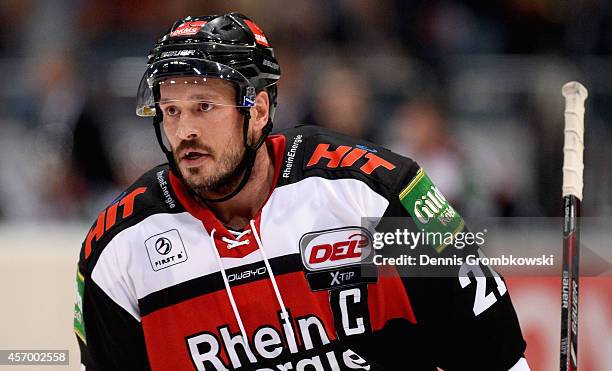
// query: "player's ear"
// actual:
[[261, 111]]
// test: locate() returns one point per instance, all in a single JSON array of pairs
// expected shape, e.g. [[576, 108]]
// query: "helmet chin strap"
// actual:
[[247, 162]]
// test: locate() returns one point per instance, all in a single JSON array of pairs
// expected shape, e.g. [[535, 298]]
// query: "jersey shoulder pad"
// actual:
[[315, 151], [150, 194]]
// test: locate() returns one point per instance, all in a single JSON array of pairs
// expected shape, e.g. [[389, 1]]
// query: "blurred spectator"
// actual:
[[13, 15], [75, 169], [291, 89], [347, 65], [418, 130], [342, 101]]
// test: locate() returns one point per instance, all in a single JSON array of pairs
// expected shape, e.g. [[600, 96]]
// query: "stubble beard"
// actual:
[[219, 181]]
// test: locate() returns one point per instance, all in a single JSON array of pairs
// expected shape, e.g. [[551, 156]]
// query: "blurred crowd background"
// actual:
[[470, 89]]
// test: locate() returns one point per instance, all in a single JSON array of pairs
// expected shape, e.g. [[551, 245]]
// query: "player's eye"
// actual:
[[171, 111], [206, 106]]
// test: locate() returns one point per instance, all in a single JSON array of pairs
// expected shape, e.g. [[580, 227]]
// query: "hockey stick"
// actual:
[[575, 94]]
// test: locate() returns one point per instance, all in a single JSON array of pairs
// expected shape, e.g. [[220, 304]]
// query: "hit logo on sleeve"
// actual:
[[429, 209]]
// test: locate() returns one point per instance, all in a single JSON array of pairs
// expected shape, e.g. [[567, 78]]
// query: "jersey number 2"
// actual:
[[482, 300]]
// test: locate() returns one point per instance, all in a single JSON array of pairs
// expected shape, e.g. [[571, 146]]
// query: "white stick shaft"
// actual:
[[575, 94]]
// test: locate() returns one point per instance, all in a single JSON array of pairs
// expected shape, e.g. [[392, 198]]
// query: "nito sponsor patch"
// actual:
[[165, 249], [430, 211], [337, 257]]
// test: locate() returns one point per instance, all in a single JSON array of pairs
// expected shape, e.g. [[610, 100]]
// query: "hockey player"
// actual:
[[246, 250]]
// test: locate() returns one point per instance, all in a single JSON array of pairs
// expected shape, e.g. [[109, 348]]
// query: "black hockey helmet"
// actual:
[[230, 47]]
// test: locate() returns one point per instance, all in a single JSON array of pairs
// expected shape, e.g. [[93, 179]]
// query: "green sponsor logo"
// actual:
[[79, 325], [430, 211]]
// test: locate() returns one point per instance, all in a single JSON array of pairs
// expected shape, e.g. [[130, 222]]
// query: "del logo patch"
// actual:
[[165, 249], [430, 211], [335, 248], [337, 257]]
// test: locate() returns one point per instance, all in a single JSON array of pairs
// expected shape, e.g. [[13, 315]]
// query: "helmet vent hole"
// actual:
[[222, 29]]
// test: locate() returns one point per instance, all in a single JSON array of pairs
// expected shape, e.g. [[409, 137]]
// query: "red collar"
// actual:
[[208, 218]]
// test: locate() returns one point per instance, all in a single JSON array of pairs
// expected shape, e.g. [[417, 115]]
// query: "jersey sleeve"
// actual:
[[465, 313], [107, 319], [110, 337]]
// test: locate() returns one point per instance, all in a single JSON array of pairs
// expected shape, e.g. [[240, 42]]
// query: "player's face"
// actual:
[[206, 139]]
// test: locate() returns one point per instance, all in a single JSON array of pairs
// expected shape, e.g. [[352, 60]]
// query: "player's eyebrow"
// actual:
[[195, 97]]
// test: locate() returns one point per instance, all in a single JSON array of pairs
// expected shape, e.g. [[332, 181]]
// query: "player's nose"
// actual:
[[188, 128]]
